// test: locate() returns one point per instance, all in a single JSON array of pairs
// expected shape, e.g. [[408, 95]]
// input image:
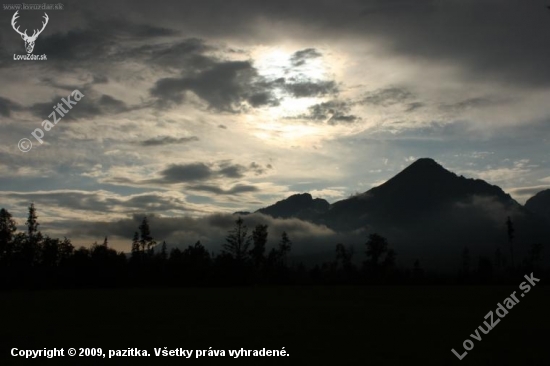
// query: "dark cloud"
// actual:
[[411, 107], [224, 86], [235, 190], [263, 98], [194, 172], [258, 169], [486, 39], [7, 106], [156, 203], [43, 110], [55, 83], [232, 171], [309, 88], [87, 107], [110, 105], [398, 7], [231, 86], [467, 104], [124, 28], [387, 97], [186, 173], [100, 79], [167, 140], [101, 201], [92, 201], [92, 104], [186, 54], [299, 58], [331, 112], [76, 45], [101, 39]]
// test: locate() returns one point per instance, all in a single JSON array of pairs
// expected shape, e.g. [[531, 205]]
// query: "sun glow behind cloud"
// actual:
[[282, 124], [271, 62], [291, 107], [275, 63]]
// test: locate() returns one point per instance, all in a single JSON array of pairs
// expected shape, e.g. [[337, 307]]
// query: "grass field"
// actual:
[[316, 325]]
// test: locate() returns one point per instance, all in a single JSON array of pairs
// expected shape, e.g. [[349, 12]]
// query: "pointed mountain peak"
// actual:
[[425, 181], [420, 173], [426, 164]]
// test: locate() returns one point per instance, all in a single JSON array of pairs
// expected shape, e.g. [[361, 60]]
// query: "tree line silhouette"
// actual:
[[32, 260]]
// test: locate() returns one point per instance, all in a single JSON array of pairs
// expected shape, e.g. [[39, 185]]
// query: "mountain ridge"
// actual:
[[425, 210], [301, 205], [422, 186], [540, 203]]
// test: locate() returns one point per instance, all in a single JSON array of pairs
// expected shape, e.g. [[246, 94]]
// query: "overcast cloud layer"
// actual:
[[192, 109]]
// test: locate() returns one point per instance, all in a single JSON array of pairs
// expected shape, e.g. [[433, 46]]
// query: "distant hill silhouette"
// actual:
[[241, 213], [432, 210], [301, 206]]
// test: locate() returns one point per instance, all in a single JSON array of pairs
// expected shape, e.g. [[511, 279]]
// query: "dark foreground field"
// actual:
[[316, 325]]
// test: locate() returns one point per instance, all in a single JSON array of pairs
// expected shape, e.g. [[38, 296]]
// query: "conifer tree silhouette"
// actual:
[[238, 241], [7, 230]]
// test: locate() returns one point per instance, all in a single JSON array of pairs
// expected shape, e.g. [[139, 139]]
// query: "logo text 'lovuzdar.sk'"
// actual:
[[501, 311]]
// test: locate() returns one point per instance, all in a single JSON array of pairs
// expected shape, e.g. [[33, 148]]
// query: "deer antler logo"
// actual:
[[29, 41]]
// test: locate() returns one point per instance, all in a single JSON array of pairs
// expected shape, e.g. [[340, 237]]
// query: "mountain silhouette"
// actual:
[[540, 204], [421, 190], [425, 209], [301, 206]]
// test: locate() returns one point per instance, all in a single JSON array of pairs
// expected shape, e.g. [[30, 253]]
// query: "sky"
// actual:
[[192, 110]]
